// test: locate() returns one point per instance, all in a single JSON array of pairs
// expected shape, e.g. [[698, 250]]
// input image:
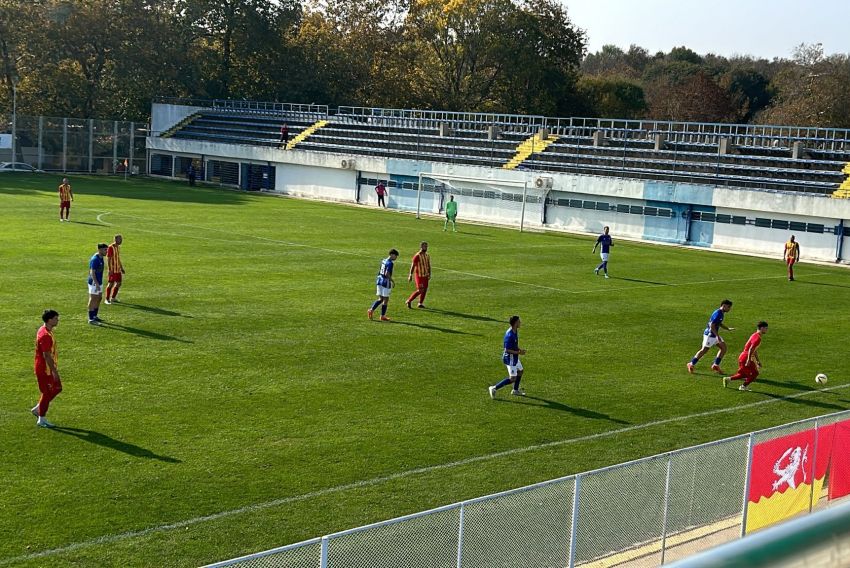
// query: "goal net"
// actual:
[[505, 202]]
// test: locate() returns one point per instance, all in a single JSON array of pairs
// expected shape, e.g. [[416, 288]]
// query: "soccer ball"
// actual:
[[820, 379]]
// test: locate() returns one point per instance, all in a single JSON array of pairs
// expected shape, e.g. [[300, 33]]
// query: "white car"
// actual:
[[18, 167]]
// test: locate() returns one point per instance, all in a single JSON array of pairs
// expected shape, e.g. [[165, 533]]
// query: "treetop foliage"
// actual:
[[110, 58]]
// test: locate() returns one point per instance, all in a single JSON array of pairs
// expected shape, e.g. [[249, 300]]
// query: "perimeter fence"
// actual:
[[641, 513], [83, 145]]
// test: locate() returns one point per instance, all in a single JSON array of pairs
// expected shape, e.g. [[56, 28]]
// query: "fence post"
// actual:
[[524, 197], [114, 145], [747, 484], [323, 560], [574, 522], [132, 143], [460, 536], [814, 467], [666, 507], [91, 144], [40, 142], [64, 145]]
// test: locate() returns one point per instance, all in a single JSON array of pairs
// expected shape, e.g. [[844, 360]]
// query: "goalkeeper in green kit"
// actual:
[[451, 214]]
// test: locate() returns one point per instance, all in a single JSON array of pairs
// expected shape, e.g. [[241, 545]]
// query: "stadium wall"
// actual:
[[740, 220]]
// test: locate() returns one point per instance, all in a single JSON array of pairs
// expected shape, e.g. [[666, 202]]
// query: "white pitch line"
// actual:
[[107, 539]]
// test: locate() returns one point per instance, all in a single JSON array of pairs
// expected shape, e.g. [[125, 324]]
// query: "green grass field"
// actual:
[[240, 369]]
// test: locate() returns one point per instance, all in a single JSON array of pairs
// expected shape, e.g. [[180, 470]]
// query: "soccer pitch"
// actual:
[[239, 398]]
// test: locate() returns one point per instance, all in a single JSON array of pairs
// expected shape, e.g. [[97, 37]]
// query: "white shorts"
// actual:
[[95, 289], [708, 341], [383, 292], [514, 369], [604, 256]]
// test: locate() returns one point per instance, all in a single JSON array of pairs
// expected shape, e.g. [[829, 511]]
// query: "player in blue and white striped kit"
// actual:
[[510, 357], [384, 284], [606, 242]]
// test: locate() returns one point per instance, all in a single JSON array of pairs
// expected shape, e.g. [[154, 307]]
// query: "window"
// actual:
[[814, 228], [708, 217], [696, 215], [622, 208], [720, 218], [589, 205], [779, 224], [602, 206], [575, 203], [636, 210], [797, 226], [650, 211], [764, 223], [738, 220]]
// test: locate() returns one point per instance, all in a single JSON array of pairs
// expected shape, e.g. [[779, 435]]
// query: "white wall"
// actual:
[[316, 183], [164, 117]]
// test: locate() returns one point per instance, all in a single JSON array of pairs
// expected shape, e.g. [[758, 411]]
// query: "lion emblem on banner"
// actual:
[[794, 460]]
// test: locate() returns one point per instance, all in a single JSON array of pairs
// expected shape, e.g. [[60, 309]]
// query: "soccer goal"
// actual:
[[502, 201]]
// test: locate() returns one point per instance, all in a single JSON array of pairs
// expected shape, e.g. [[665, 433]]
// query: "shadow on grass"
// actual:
[[809, 282], [434, 328], [802, 401], [554, 405], [151, 309], [87, 223], [107, 442], [461, 315], [639, 280], [787, 384], [142, 332]]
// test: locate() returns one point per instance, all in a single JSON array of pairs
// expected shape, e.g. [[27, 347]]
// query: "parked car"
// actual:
[[18, 167]]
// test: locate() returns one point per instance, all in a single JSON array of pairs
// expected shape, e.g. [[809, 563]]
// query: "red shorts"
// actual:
[[64, 204], [749, 372], [47, 384], [790, 261], [114, 277], [421, 282]]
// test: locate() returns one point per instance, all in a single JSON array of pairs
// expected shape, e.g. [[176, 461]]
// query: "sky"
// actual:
[[762, 28]]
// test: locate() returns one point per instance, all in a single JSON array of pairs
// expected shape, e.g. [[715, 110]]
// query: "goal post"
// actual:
[[489, 199]]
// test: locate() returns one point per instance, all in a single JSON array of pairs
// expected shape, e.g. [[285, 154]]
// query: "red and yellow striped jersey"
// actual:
[[65, 192], [792, 250], [113, 258], [422, 265]]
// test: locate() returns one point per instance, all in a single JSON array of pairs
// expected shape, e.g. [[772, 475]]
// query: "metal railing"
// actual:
[[652, 510], [705, 133]]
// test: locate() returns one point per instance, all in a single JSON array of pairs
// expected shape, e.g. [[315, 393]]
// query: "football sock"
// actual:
[[383, 309], [413, 296], [516, 383], [92, 313], [503, 383], [694, 361], [605, 266], [375, 305], [422, 296], [717, 360]]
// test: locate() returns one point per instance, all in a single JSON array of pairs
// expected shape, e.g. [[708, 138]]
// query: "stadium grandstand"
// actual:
[[734, 155]]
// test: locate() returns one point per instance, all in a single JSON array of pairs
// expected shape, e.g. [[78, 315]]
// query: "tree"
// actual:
[[612, 97], [696, 99]]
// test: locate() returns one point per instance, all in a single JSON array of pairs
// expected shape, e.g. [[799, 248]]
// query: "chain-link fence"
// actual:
[[76, 144], [643, 513]]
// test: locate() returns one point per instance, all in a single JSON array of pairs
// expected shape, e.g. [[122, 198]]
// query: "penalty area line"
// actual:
[[108, 539]]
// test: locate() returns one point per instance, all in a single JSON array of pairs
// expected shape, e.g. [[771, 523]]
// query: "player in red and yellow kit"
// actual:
[[115, 269], [749, 363], [791, 255], [46, 371], [420, 269], [66, 196]]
